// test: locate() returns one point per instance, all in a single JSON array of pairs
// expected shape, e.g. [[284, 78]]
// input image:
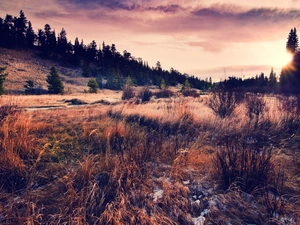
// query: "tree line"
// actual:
[[110, 68], [288, 82], [102, 62]]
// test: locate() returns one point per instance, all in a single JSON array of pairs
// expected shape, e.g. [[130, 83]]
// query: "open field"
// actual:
[[155, 163], [30, 101]]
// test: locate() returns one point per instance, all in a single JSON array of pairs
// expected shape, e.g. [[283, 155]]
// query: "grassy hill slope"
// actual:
[[23, 65]]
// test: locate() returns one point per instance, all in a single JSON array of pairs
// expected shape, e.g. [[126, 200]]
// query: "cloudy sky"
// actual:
[[202, 38]]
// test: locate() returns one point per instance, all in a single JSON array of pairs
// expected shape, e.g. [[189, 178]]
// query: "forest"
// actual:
[[98, 61], [105, 61]]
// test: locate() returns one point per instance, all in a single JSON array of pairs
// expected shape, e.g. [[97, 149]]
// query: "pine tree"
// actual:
[[9, 33], [29, 87], [292, 43], [163, 84], [272, 80], [20, 27], [1, 31], [92, 50], [2, 79], [93, 85], [187, 84], [41, 38], [30, 35], [62, 41], [55, 85]]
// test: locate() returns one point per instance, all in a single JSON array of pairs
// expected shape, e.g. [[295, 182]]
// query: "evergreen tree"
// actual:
[[29, 87], [163, 84], [48, 42], [20, 27], [62, 41], [30, 35], [76, 45], [92, 51], [9, 34], [2, 79], [93, 85], [186, 85], [113, 50], [55, 85], [86, 69], [79, 48], [1, 31], [115, 81], [292, 43], [272, 80], [41, 38]]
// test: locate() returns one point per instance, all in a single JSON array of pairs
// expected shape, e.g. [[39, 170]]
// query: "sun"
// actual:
[[283, 59]]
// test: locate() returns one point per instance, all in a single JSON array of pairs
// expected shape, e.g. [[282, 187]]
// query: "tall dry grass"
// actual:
[[156, 163]]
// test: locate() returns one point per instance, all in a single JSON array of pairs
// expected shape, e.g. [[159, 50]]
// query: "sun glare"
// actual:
[[283, 60]]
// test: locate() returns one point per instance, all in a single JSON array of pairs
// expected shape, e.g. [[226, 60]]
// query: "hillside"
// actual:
[[22, 65]]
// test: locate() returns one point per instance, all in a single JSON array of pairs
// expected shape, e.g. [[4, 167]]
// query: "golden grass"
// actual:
[[31, 101], [85, 165], [23, 65]]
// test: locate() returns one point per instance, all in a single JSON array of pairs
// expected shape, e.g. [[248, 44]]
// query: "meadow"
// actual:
[[166, 161]]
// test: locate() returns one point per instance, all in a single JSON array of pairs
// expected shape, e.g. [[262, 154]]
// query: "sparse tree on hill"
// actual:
[[2, 79], [55, 85], [93, 85]]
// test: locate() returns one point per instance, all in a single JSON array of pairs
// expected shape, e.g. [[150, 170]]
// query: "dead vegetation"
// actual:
[[167, 161]]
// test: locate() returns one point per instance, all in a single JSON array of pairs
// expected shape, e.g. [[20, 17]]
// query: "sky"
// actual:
[[211, 38]]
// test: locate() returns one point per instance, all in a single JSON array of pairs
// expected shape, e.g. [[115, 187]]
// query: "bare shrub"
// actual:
[[248, 167], [75, 101], [145, 94], [289, 104], [128, 92], [255, 107], [223, 103], [190, 92], [164, 93]]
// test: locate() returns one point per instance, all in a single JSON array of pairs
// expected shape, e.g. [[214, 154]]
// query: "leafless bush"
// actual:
[[255, 107], [223, 103], [128, 92], [289, 104], [164, 93], [190, 92], [145, 94], [247, 166]]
